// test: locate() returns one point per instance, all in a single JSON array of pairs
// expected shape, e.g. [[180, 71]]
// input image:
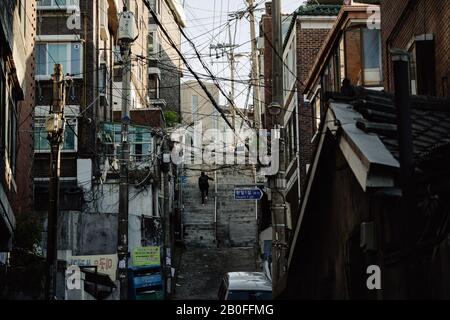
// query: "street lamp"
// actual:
[[274, 109]]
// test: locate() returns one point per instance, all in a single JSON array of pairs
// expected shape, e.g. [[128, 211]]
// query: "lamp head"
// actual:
[[274, 109]]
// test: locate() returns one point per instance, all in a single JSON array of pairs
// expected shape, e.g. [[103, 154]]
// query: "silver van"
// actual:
[[245, 286]]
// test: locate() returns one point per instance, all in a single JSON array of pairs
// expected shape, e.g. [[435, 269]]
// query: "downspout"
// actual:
[[299, 182], [215, 209], [408, 219], [405, 139]]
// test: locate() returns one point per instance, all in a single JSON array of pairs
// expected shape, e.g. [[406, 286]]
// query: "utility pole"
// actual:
[[126, 38], [255, 67], [278, 181], [167, 256], [55, 129], [232, 70]]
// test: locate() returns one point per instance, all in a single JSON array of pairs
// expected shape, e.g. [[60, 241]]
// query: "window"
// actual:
[[11, 136], [363, 56], [194, 108], [140, 139], [2, 107], [341, 61], [216, 120], [41, 144], [153, 44], [413, 70], [422, 66], [102, 78], [329, 78], [153, 86], [371, 56], [8, 124], [69, 55], [156, 5], [136, 9], [56, 4], [316, 110], [23, 16]]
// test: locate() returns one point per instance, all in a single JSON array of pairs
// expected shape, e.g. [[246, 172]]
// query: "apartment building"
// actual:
[[17, 31], [422, 29], [165, 67]]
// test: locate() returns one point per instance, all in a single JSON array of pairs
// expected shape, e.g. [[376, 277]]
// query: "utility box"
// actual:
[[127, 27], [145, 283]]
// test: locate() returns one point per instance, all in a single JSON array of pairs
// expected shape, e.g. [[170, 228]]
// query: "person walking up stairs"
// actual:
[[203, 184]]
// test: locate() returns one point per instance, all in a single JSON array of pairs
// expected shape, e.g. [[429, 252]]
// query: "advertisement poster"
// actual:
[[146, 256]]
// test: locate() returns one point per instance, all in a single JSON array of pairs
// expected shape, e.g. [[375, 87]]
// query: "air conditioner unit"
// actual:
[[103, 17]]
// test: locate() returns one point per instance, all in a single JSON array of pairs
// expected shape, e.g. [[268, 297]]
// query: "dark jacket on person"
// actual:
[[203, 182]]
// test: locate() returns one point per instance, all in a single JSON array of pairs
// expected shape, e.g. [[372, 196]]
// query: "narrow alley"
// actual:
[[219, 236], [201, 269]]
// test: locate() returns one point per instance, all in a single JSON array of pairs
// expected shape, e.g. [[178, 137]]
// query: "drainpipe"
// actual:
[[215, 209], [403, 104], [408, 222]]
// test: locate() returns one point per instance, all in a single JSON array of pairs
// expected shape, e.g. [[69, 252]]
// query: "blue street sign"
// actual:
[[248, 194], [184, 180]]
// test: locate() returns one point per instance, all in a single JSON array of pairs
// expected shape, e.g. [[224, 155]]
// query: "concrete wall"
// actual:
[[206, 111], [236, 220]]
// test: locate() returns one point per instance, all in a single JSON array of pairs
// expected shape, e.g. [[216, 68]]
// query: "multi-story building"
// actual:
[[164, 63], [82, 36], [422, 29], [304, 33], [79, 35], [196, 106], [17, 31], [359, 213]]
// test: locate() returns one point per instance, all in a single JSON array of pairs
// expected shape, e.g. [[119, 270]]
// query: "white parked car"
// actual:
[[245, 286]]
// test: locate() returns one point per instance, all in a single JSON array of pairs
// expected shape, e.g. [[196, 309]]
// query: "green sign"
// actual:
[[147, 256]]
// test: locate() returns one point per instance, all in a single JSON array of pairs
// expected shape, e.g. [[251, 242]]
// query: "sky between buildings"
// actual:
[[207, 24]]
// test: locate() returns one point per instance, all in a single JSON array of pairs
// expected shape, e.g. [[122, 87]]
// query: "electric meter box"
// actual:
[[127, 27]]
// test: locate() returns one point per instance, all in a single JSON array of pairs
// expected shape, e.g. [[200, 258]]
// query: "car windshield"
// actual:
[[249, 295]]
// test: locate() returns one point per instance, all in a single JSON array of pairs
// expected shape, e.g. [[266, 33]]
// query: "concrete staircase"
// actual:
[[198, 220], [236, 222]]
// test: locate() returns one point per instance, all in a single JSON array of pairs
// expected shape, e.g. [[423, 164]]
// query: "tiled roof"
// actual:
[[430, 121], [318, 10]]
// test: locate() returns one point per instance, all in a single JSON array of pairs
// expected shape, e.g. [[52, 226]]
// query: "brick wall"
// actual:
[[25, 109], [403, 19], [309, 43]]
